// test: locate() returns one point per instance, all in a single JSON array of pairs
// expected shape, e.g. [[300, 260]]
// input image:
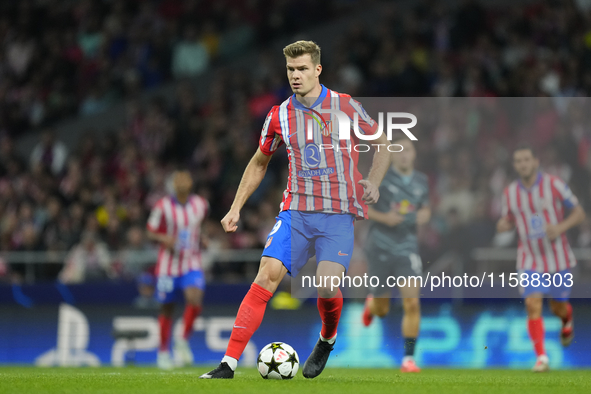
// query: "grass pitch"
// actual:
[[332, 381]]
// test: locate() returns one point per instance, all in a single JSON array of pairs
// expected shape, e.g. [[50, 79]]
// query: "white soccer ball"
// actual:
[[278, 360]]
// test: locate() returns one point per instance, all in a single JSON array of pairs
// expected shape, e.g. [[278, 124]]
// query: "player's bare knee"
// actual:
[[193, 301], [267, 279], [533, 305], [271, 272], [380, 307], [193, 296], [411, 305], [327, 292], [382, 311], [557, 307], [167, 309]]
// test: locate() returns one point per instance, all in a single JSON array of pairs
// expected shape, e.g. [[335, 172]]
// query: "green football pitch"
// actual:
[[338, 381]]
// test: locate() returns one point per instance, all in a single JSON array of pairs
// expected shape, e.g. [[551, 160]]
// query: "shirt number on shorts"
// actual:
[[415, 263], [165, 284]]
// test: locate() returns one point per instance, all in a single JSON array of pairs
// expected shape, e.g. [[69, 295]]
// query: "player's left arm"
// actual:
[[204, 235], [574, 218], [379, 166], [577, 216], [424, 212], [423, 215], [381, 156]]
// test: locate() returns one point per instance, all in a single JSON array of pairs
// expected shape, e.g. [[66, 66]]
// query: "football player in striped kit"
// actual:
[[175, 223], [324, 196], [534, 204]]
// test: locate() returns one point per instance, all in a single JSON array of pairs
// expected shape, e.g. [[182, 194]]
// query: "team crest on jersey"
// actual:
[[275, 227], [324, 125], [269, 242], [326, 128], [537, 227]]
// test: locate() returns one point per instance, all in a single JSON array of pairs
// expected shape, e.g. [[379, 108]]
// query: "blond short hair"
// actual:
[[302, 47]]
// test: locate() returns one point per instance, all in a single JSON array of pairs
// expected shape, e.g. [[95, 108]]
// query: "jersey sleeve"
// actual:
[[505, 211], [564, 193], [271, 133], [367, 125], [156, 222]]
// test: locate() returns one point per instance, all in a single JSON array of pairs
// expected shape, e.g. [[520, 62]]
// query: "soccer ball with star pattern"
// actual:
[[278, 360]]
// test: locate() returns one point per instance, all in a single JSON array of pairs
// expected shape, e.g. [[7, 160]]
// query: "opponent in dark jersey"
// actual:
[[392, 245]]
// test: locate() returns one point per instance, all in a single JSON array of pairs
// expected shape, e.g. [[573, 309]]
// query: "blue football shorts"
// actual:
[[556, 285], [170, 289], [298, 235]]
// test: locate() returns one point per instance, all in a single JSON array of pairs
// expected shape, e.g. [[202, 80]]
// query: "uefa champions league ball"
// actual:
[[278, 360]]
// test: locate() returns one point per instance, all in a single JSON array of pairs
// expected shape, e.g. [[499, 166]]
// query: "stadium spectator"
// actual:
[[50, 153], [87, 261], [59, 59], [458, 199], [130, 261], [427, 53], [190, 57]]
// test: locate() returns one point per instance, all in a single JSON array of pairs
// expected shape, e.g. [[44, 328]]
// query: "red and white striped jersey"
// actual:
[[183, 222], [323, 174], [531, 210]]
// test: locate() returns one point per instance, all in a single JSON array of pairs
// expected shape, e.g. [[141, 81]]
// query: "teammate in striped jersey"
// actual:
[[175, 223], [534, 204], [325, 194]]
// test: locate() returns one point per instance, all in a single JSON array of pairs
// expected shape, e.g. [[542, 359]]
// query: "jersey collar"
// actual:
[[177, 202], [399, 175], [538, 180], [301, 106]]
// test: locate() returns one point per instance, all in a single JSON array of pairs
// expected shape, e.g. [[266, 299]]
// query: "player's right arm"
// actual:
[[507, 220], [255, 170], [156, 228], [505, 224], [251, 179], [167, 240]]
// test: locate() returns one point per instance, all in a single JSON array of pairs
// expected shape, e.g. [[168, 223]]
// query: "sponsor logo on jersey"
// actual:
[[317, 172], [325, 125], [404, 207], [312, 156]]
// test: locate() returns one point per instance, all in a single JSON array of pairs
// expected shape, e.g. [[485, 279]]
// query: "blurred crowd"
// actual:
[[60, 58], [97, 196]]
